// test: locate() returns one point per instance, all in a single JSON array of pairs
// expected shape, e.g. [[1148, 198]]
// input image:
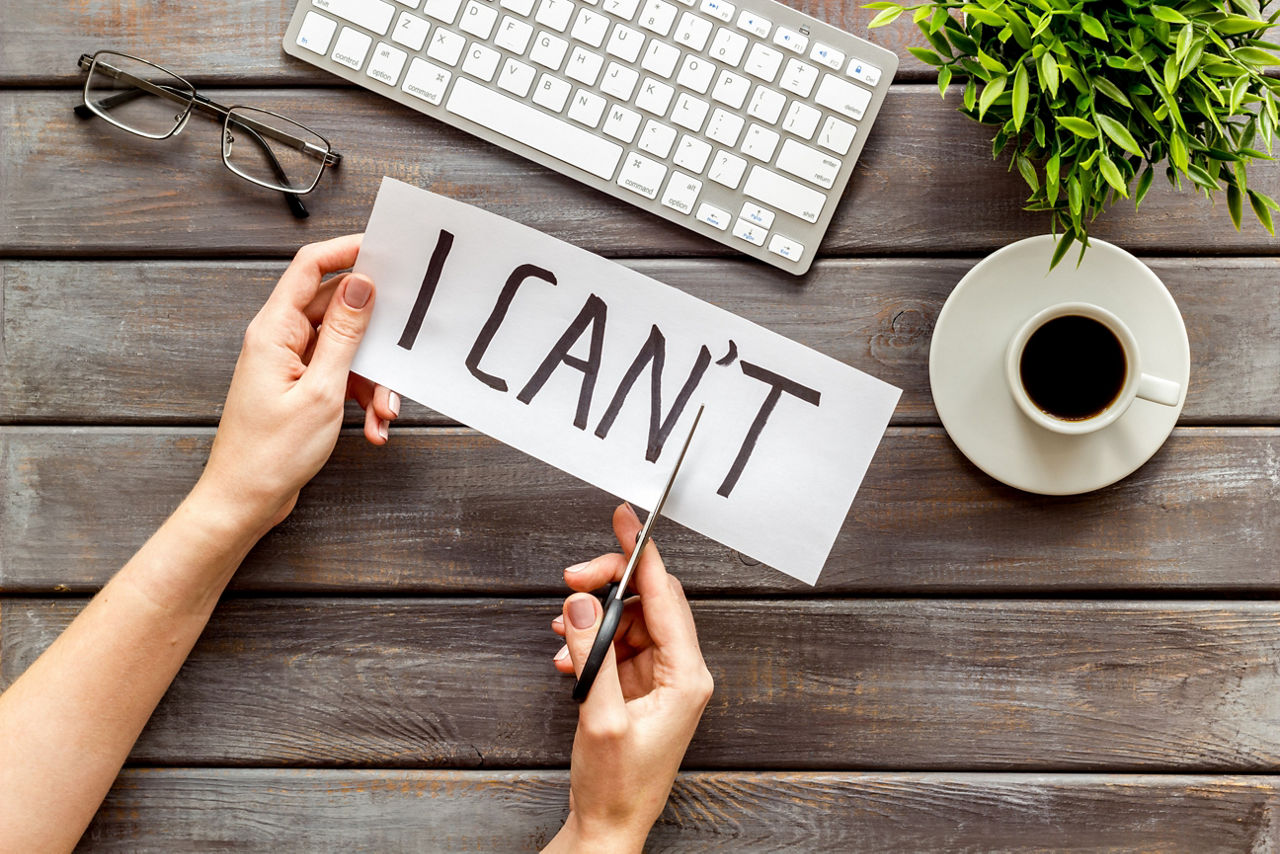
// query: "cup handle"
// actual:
[[1159, 391]]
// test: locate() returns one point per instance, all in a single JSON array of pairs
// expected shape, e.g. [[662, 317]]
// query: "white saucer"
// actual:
[[967, 354]]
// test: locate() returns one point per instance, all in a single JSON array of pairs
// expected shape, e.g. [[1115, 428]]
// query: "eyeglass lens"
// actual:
[[272, 151], [137, 96]]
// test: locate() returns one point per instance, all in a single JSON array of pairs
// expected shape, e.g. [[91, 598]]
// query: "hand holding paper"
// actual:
[[593, 367]]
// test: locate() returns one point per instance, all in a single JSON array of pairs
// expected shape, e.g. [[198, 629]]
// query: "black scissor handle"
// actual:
[[613, 606]]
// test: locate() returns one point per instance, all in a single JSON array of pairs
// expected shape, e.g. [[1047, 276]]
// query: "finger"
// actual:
[[315, 309], [360, 390], [344, 326], [376, 430], [632, 637], [557, 625], [300, 283], [386, 402], [667, 615], [593, 574], [604, 705]]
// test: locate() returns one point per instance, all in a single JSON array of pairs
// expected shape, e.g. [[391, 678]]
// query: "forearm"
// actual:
[[68, 723]]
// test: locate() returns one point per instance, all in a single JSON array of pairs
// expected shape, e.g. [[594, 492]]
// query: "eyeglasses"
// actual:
[[260, 146]]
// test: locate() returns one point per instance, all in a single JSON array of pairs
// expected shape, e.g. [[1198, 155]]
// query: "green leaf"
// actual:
[[1184, 43], [990, 63], [1112, 175], [1060, 249], [1236, 24], [1048, 69], [1020, 91], [1078, 126], [1028, 171], [982, 15], [1255, 56], [1235, 205], [1178, 151], [1093, 27], [1262, 211], [944, 80], [1075, 194], [1144, 184], [1111, 90], [1171, 77], [888, 16], [1171, 16], [970, 95], [1052, 178], [1118, 133], [989, 94], [925, 55]]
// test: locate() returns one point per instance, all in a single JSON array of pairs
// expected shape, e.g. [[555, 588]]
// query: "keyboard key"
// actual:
[[619, 81], [622, 123], [786, 247], [584, 66], [412, 4], [548, 134], [352, 48], [827, 55], [523, 8], [791, 40], [410, 31], [641, 175], [802, 120], [657, 17], [727, 169], [693, 32], [690, 112], [692, 154], [478, 19], [555, 14], [763, 62], [724, 127], [387, 63], [590, 28], [798, 77], [713, 216], [749, 232], [587, 108], [513, 35], [624, 9], [836, 136], [370, 14], [481, 62], [443, 10], [625, 43], [760, 143], [446, 46], [654, 97], [766, 105], [754, 24], [842, 96], [864, 72], [548, 50], [682, 192], [657, 138], [719, 9], [316, 33], [426, 81], [808, 163], [517, 77], [753, 213], [696, 73], [731, 89], [552, 93], [782, 193], [660, 58], [728, 47]]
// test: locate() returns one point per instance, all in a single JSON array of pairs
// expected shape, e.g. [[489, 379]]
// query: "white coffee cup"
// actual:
[[1136, 383]]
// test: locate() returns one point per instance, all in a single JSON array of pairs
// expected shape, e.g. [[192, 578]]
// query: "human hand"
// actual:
[[635, 725], [285, 404]]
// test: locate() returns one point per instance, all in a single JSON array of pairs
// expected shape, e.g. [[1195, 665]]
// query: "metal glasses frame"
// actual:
[[191, 100]]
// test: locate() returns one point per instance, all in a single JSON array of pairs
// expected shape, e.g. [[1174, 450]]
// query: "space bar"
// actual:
[[534, 128]]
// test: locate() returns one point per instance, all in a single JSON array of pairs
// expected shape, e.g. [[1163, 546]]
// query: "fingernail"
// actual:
[[558, 621], [384, 429], [563, 653], [357, 291], [582, 612], [578, 567], [631, 510], [393, 403]]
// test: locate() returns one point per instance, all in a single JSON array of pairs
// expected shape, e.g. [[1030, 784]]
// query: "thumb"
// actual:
[[343, 327], [582, 616]]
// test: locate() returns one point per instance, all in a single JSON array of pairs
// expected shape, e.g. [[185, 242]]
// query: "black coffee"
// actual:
[[1073, 367]]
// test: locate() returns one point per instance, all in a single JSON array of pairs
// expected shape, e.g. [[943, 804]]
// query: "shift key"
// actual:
[[373, 15], [783, 193]]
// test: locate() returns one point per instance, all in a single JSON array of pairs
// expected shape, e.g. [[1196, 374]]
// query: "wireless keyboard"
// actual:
[[741, 121]]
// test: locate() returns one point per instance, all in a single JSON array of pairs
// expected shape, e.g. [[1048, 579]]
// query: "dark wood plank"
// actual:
[[227, 42], [926, 184], [156, 341], [163, 810], [811, 685], [435, 511]]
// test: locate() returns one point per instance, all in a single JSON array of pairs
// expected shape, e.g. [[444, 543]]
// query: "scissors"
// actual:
[[615, 592]]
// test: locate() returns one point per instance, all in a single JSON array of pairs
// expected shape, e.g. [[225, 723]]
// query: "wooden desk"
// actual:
[[978, 668]]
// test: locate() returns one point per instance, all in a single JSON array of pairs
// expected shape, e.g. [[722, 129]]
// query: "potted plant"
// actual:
[[1090, 96]]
